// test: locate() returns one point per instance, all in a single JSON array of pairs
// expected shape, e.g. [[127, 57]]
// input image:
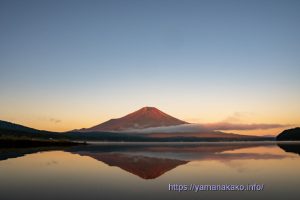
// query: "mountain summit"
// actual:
[[145, 117]]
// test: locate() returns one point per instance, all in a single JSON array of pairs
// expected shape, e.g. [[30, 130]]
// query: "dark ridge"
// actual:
[[289, 135], [15, 127]]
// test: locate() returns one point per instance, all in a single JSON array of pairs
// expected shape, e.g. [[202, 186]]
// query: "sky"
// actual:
[[72, 64]]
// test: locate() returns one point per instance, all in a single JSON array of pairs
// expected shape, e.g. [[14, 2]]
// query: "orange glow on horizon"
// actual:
[[65, 117]]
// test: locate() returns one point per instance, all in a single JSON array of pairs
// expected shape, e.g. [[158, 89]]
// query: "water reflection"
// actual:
[[149, 161], [142, 166], [143, 171], [291, 147], [7, 153]]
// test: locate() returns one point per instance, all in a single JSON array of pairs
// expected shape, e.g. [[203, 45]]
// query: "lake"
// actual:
[[145, 171]]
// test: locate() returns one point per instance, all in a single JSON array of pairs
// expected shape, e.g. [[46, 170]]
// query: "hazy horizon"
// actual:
[[74, 64]]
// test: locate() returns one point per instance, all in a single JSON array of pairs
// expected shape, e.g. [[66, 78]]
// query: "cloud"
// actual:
[[174, 129], [205, 128], [239, 126], [54, 120], [237, 117], [49, 119]]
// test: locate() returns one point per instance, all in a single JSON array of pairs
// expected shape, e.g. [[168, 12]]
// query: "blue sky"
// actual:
[[198, 60]]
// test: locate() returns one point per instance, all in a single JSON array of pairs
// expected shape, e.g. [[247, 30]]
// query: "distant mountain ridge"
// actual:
[[11, 130], [290, 135], [15, 127], [143, 118]]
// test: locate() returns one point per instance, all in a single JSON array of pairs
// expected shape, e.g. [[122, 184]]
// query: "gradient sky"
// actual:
[[73, 64]]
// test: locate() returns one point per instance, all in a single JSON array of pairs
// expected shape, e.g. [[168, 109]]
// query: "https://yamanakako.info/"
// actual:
[[214, 187]]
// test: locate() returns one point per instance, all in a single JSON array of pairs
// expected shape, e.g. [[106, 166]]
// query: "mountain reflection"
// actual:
[[290, 147], [150, 161], [142, 166], [9, 153]]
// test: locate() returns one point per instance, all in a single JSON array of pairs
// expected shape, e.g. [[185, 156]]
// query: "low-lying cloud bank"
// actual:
[[230, 126], [204, 128]]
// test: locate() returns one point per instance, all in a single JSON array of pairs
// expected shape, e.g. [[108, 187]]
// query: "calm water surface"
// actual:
[[144, 171]]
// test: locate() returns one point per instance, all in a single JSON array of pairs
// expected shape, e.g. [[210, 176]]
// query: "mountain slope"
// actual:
[[4, 125], [290, 135], [144, 118]]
